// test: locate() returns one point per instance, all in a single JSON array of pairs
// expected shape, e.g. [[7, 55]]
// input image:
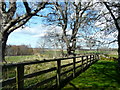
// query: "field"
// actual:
[[48, 55], [90, 79], [103, 75]]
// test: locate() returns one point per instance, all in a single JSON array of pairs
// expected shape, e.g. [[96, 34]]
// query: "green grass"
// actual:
[[102, 75], [17, 59], [46, 55], [12, 59], [10, 73], [40, 56]]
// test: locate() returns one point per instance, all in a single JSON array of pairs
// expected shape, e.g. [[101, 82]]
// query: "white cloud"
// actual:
[[31, 30], [39, 30]]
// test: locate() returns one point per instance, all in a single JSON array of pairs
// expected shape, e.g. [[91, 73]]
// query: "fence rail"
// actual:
[[84, 61]]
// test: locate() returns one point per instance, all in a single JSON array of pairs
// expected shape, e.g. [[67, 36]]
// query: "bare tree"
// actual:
[[42, 44], [114, 10], [10, 20], [71, 17], [55, 39], [90, 43]]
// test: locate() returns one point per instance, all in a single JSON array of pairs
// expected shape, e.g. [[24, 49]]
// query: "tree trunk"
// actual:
[[74, 46], [3, 41], [71, 49], [119, 48], [118, 27], [1, 51], [68, 51]]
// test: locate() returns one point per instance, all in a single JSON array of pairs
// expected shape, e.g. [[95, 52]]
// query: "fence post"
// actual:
[[58, 73], [5, 73], [98, 56], [74, 60], [82, 62], [20, 77], [93, 58], [90, 58], [87, 60]]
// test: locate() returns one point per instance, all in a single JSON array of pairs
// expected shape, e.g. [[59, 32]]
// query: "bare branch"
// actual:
[[18, 25], [23, 18], [12, 9], [28, 9], [3, 6], [115, 20], [105, 3], [113, 41]]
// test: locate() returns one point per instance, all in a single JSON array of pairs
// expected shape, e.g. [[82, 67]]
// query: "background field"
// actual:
[[51, 54]]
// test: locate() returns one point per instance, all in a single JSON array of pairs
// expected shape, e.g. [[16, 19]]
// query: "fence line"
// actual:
[[84, 61]]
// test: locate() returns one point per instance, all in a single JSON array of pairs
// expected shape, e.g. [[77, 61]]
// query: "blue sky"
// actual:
[[17, 38], [28, 35], [32, 33]]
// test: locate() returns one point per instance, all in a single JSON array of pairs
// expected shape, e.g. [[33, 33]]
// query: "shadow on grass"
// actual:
[[103, 75]]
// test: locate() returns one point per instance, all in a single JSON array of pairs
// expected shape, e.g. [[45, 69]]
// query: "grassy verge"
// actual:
[[103, 75]]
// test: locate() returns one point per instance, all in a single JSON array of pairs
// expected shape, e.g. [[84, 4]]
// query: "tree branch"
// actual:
[[12, 8], [3, 5], [19, 25], [113, 41], [115, 20], [23, 18], [28, 9], [105, 3]]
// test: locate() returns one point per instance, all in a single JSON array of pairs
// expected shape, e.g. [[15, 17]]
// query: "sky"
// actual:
[[34, 30], [28, 35], [31, 34]]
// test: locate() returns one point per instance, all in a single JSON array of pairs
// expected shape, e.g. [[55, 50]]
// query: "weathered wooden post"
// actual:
[[82, 62], [5, 72], [93, 57], [98, 56], [20, 77], [87, 60], [74, 60], [90, 59], [58, 73]]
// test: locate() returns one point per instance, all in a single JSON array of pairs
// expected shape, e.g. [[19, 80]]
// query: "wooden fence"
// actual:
[[83, 61]]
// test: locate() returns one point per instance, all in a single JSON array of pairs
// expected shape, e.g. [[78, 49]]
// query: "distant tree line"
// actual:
[[16, 50]]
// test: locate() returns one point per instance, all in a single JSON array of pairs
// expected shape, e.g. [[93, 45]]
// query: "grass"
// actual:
[[9, 73], [46, 55], [18, 59], [103, 75], [14, 59]]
